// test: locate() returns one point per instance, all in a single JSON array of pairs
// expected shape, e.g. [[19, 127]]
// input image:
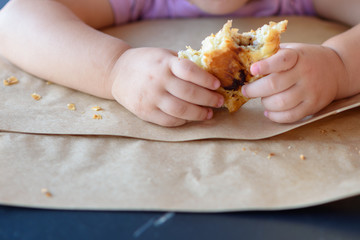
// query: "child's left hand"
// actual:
[[300, 80]]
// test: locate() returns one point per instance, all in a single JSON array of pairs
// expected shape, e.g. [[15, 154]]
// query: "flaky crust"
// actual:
[[228, 55]]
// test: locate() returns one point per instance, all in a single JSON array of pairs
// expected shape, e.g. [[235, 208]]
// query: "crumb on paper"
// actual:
[[302, 157], [244, 149], [10, 81], [323, 131], [48, 83], [97, 116], [289, 147], [270, 155], [36, 96], [71, 106], [96, 108], [46, 192]]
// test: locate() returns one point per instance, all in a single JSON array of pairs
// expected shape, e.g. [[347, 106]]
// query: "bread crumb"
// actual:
[[36, 96], [97, 116], [48, 83], [270, 155], [323, 131], [46, 192], [302, 157], [244, 149], [71, 106], [96, 108], [10, 81]]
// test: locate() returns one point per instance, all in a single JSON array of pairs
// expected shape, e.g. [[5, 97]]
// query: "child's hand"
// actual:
[[158, 87], [302, 80]]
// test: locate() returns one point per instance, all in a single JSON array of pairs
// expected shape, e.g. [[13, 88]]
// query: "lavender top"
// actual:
[[133, 10]]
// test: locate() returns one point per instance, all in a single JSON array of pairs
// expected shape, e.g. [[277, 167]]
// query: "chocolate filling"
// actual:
[[236, 83]]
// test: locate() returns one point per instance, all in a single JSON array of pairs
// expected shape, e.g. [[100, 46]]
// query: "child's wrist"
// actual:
[[342, 76], [114, 72]]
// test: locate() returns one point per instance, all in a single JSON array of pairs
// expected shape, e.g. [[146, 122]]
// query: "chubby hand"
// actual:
[[300, 80], [158, 87]]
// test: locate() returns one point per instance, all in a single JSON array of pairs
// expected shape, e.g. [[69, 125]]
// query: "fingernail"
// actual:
[[254, 69], [216, 84], [266, 114], [210, 114], [220, 102], [244, 92]]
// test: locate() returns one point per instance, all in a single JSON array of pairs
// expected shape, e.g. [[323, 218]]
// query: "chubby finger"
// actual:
[[284, 60], [193, 93], [178, 108], [283, 101], [189, 71], [269, 85], [160, 118], [295, 114], [156, 116]]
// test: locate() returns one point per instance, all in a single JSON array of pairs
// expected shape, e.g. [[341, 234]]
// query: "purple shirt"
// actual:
[[133, 10]]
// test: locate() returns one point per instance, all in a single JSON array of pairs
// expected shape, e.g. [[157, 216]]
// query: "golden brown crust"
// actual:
[[228, 55]]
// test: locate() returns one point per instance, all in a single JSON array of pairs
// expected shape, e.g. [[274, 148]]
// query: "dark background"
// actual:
[[2, 3], [338, 220]]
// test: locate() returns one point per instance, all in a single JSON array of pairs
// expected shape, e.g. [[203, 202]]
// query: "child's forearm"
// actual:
[[48, 40], [347, 46]]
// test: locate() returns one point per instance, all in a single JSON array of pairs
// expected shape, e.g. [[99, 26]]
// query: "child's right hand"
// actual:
[[159, 87]]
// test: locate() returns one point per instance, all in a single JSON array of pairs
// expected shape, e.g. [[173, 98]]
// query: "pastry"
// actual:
[[229, 54]]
